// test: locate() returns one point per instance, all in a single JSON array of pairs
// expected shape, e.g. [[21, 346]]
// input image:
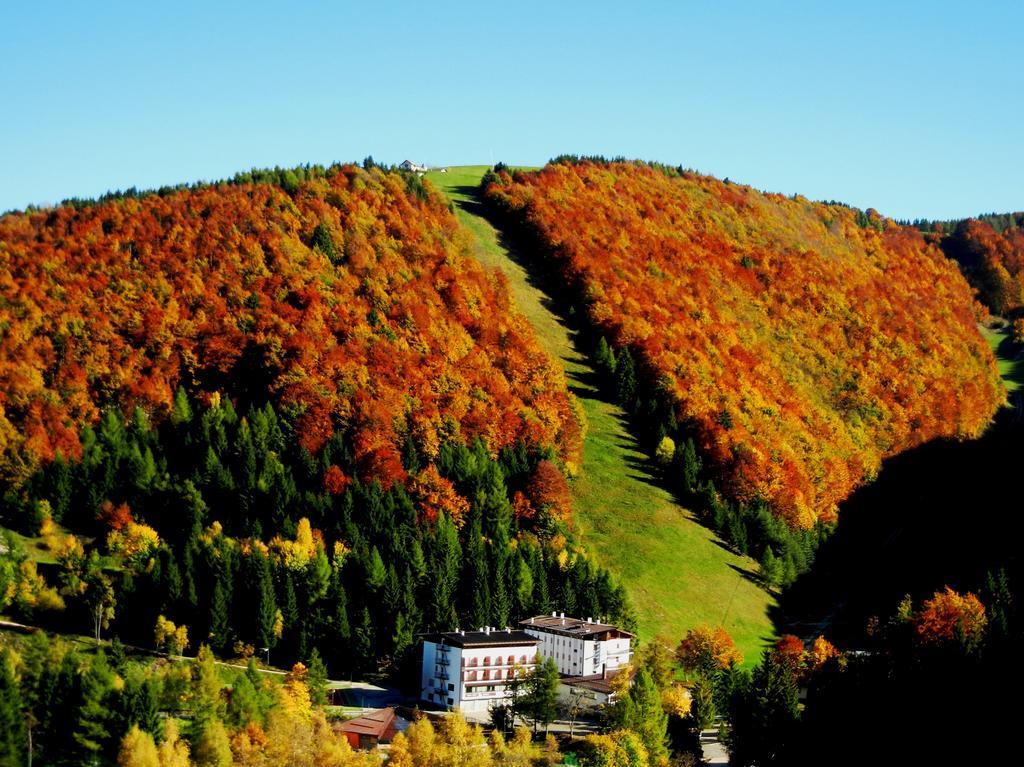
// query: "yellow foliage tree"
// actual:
[[138, 749], [213, 749], [169, 637], [676, 700], [173, 750], [295, 698]]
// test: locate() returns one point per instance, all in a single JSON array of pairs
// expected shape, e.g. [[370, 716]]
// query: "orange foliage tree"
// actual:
[[949, 616], [705, 648]]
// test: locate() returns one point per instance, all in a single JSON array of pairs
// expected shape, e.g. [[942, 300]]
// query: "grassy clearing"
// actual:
[[35, 548], [677, 572], [1011, 366]]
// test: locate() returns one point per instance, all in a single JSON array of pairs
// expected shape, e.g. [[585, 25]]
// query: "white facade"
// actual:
[[580, 647], [469, 670]]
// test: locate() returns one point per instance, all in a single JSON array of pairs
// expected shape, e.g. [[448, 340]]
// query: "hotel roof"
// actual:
[[483, 638], [577, 627]]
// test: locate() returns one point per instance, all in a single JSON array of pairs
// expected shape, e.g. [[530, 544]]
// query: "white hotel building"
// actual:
[[580, 648], [468, 670]]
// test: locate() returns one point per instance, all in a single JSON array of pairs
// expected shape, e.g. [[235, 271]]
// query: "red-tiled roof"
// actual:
[[376, 723]]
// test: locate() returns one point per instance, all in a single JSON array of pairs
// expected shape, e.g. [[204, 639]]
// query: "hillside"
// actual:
[[347, 299], [288, 411], [677, 573], [798, 343]]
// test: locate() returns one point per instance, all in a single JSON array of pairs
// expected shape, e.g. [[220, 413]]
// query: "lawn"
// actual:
[[1011, 366], [677, 573]]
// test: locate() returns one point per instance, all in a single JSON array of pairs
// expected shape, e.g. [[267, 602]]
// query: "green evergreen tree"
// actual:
[[219, 619], [764, 716], [625, 380], [316, 679], [445, 562], [323, 241], [651, 721], [605, 358], [688, 464], [140, 703], [540, 702], [364, 644], [12, 724], [90, 726], [703, 709], [243, 704], [770, 568], [376, 573]]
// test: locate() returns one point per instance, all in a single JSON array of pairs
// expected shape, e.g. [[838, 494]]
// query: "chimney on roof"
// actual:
[[531, 620], [562, 616], [554, 615], [589, 620]]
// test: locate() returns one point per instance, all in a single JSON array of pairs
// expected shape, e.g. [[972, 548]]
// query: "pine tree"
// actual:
[[316, 679], [243, 703], [764, 716], [703, 710], [92, 718], [219, 620], [770, 568], [541, 699], [625, 380], [651, 722], [605, 358], [140, 704], [206, 691], [364, 644], [475, 578], [12, 725], [445, 562], [688, 464]]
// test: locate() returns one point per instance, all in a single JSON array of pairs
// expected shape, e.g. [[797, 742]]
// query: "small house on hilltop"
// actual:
[[413, 166]]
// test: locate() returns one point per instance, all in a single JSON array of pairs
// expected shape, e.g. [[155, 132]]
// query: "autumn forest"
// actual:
[[290, 421]]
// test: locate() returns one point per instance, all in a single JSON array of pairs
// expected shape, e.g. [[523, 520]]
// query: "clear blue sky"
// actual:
[[914, 108]]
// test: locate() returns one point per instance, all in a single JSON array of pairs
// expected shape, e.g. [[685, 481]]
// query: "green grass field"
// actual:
[[1011, 367], [677, 573]]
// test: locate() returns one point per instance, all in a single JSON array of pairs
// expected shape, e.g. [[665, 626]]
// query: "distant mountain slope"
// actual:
[[345, 296], [990, 252], [800, 342]]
